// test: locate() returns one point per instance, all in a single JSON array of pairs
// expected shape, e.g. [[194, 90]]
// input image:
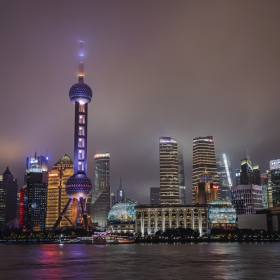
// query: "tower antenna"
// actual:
[[81, 58]]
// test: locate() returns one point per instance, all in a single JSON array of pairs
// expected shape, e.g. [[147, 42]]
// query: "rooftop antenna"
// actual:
[[120, 183], [81, 58]]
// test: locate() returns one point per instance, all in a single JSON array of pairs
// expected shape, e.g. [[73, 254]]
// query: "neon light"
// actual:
[[102, 155], [227, 170]]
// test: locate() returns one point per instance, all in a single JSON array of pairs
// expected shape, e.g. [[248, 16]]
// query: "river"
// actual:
[[141, 261]]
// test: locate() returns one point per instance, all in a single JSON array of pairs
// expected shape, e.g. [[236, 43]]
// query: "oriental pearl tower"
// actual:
[[79, 186]]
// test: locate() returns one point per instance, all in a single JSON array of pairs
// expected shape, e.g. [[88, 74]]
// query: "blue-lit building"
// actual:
[[221, 214], [122, 216]]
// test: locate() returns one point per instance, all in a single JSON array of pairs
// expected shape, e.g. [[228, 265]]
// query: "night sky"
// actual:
[[156, 68]]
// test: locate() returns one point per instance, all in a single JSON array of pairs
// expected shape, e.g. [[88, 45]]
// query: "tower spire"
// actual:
[[81, 58], [120, 183]]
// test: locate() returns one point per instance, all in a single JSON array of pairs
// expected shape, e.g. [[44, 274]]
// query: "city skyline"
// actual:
[[180, 70]]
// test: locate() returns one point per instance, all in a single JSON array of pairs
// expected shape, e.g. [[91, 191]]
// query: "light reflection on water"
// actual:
[[140, 261]]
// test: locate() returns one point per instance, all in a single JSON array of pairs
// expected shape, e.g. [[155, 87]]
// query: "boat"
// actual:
[[109, 239]]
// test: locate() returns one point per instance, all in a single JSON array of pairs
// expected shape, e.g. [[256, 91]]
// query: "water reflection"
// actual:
[[141, 261]]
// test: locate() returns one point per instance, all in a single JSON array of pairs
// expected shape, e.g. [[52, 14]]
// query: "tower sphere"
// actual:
[[81, 93], [78, 185]]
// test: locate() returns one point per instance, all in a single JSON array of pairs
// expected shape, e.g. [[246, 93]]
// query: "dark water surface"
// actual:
[[136, 261]]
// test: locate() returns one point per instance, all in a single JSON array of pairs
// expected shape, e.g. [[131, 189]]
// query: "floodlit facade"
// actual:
[[206, 191], [274, 181], [221, 214], [122, 216], [56, 195], [151, 218], [246, 199], [169, 171], [225, 178], [203, 158], [101, 196], [249, 174]]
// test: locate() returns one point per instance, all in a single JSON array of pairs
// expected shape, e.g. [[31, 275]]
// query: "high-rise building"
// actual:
[[155, 196], [113, 199], [120, 192], [265, 189], [37, 164], [206, 191], [8, 197], [35, 202], [34, 192], [101, 196], [224, 172], [249, 174], [274, 181], [182, 185], [237, 176], [246, 199], [169, 171], [203, 157], [79, 186], [57, 196]]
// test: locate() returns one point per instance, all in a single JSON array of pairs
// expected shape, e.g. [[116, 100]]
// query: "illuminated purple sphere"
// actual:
[[81, 93], [78, 185]]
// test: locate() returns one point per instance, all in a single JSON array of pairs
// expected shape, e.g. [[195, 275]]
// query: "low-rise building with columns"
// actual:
[[152, 218]]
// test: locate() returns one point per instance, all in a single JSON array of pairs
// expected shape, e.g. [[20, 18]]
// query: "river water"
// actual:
[[141, 261]]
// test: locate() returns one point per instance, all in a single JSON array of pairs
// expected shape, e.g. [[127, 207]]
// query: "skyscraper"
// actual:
[[249, 174], [246, 199], [79, 186], [155, 196], [33, 216], [57, 196], [206, 191], [169, 171], [38, 164], [182, 185], [224, 172], [101, 196], [35, 202], [8, 197], [203, 157], [274, 181], [120, 192], [237, 176]]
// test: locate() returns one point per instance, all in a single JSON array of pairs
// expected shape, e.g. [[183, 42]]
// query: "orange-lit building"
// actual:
[[206, 191], [57, 197]]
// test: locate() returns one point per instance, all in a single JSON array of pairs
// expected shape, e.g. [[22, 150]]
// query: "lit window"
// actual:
[[81, 131], [82, 119], [81, 143], [81, 166], [82, 108], [81, 154]]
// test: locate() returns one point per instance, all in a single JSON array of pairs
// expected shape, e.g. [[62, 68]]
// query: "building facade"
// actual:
[[274, 181], [101, 196], [155, 196], [120, 192], [249, 174], [152, 218], [206, 191], [169, 171], [246, 199], [35, 202], [8, 197], [56, 195], [182, 184], [225, 177], [203, 158]]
